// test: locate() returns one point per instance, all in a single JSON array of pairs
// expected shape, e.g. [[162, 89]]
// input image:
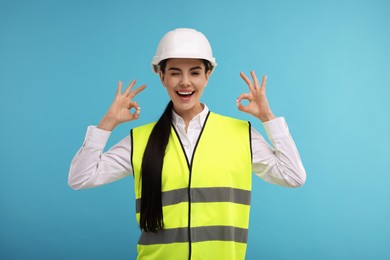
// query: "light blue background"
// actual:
[[328, 65]]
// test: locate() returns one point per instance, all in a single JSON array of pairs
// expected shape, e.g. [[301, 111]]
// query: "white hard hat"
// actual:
[[183, 43]]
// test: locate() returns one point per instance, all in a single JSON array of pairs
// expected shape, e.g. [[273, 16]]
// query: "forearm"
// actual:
[[107, 123], [91, 167], [267, 117], [281, 163]]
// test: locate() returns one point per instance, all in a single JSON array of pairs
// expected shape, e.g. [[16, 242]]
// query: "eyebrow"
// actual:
[[193, 68]]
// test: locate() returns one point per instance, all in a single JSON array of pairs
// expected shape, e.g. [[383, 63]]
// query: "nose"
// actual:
[[185, 80]]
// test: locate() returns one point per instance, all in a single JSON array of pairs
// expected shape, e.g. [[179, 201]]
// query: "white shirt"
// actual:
[[278, 164]]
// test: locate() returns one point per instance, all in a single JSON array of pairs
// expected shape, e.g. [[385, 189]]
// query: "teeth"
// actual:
[[184, 93]]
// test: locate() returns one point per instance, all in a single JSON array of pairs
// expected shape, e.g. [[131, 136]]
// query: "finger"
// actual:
[[255, 80], [242, 107], [137, 90], [137, 109], [240, 98], [132, 83], [243, 96], [119, 89], [134, 104], [247, 80], [264, 81]]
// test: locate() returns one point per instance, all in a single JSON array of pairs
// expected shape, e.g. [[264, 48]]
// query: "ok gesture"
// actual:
[[258, 104], [119, 111]]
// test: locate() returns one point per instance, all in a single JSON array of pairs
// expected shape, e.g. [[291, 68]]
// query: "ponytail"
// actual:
[[151, 219]]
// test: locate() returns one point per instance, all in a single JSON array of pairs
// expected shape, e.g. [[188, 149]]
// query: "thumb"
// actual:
[[239, 105], [242, 108]]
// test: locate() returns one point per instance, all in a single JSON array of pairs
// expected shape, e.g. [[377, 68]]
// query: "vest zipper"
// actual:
[[189, 181], [189, 215]]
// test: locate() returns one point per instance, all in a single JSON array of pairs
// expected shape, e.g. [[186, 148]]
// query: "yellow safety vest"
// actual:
[[206, 199]]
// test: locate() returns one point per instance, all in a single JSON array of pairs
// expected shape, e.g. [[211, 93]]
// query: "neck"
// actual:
[[189, 114]]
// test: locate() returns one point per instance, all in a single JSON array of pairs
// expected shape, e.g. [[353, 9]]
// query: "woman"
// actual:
[[192, 169]]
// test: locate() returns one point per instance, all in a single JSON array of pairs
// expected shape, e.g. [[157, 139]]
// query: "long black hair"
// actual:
[[152, 162], [151, 219]]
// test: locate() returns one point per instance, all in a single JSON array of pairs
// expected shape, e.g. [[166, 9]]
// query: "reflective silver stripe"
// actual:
[[221, 233], [221, 194], [198, 234], [169, 198], [166, 236]]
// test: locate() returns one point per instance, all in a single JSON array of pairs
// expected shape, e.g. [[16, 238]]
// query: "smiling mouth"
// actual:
[[185, 93]]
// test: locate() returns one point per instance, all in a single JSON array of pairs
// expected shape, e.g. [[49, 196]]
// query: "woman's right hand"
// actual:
[[119, 111]]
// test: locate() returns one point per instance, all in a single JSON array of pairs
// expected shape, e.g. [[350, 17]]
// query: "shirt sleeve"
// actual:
[[278, 163], [91, 167]]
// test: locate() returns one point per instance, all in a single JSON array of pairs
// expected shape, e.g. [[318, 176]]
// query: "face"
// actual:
[[185, 80]]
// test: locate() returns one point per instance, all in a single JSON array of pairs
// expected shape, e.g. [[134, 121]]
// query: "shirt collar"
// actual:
[[198, 120]]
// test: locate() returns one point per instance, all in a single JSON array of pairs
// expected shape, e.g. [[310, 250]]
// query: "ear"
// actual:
[[162, 77], [208, 75]]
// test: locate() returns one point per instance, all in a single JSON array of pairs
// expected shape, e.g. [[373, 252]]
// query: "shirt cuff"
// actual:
[[276, 128], [96, 137]]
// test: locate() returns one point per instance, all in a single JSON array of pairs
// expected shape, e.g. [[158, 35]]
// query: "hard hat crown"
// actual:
[[183, 43]]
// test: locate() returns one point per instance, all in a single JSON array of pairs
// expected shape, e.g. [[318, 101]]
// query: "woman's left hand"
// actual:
[[258, 104]]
